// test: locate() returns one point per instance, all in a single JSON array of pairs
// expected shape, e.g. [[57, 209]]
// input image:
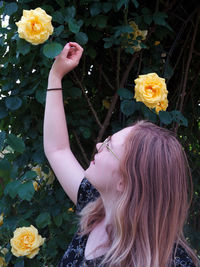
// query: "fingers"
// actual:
[[77, 46]]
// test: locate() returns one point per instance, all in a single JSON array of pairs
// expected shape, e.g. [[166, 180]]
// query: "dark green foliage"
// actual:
[[108, 68]]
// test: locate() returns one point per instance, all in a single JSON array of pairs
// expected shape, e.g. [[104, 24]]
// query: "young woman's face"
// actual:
[[103, 172]]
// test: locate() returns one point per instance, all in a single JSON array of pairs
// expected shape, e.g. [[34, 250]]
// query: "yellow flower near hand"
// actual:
[[136, 33], [26, 242], [35, 26], [152, 91]]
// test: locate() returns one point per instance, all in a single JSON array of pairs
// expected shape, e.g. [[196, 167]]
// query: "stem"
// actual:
[[187, 66], [77, 80]]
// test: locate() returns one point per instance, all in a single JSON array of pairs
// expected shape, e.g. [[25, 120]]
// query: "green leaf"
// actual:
[[19, 262], [43, 220], [3, 111], [10, 8], [178, 117], [26, 191], [12, 188], [13, 102], [29, 175], [101, 21], [69, 13], [58, 30], [52, 50], [165, 117], [41, 96], [58, 220], [128, 107], [16, 143], [159, 18], [2, 139], [23, 47], [120, 3], [148, 19], [81, 38], [95, 9], [74, 92], [106, 7], [125, 93], [85, 132], [92, 52], [61, 3], [58, 17], [74, 26], [122, 29], [136, 4]]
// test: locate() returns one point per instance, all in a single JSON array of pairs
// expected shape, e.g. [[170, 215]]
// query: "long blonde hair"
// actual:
[[150, 214]]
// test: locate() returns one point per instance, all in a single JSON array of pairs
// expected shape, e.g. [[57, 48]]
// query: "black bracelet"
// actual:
[[50, 89]]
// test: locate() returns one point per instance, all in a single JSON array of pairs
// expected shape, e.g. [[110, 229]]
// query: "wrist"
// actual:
[[54, 81]]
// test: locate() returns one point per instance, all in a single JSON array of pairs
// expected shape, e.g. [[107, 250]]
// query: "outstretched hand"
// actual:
[[67, 60]]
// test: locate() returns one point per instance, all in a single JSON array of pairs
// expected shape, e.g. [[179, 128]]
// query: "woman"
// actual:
[[132, 199]]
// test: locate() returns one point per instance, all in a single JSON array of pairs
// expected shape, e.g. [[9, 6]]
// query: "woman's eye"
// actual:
[[108, 148]]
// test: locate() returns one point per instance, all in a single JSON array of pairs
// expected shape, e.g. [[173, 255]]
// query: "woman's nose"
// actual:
[[98, 146]]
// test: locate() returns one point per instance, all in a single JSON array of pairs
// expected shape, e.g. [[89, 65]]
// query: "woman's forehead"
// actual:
[[120, 137]]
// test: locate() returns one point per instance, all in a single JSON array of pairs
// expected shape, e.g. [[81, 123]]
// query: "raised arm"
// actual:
[[56, 140]]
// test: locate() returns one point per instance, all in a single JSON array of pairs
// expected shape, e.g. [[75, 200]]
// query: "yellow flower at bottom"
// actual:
[[152, 91], [26, 242], [35, 26]]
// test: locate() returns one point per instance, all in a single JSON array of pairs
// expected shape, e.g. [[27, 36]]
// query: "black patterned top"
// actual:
[[74, 255]]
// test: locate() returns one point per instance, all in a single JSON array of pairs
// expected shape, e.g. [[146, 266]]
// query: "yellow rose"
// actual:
[[48, 178], [4, 251], [136, 33], [152, 91], [26, 242], [35, 26], [1, 219], [2, 262]]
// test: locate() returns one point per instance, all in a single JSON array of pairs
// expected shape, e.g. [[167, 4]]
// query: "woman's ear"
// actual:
[[120, 186]]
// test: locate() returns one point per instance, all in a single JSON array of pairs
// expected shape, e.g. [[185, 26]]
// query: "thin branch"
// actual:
[[105, 77], [114, 100], [87, 99], [81, 147], [187, 66]]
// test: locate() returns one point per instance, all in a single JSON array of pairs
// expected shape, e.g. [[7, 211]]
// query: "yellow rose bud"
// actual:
[[38, 170], [152, 91], [1, 220], [36, 186], [136, 33], [26, 242], [71, 210], [2, 262], [106, 103], [35, 26], [162, 105], [157, 43]]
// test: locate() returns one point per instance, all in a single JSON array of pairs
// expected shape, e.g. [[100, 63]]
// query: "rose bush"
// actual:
[[152, 91], [35, 26], [106, 72], [26, 242]]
